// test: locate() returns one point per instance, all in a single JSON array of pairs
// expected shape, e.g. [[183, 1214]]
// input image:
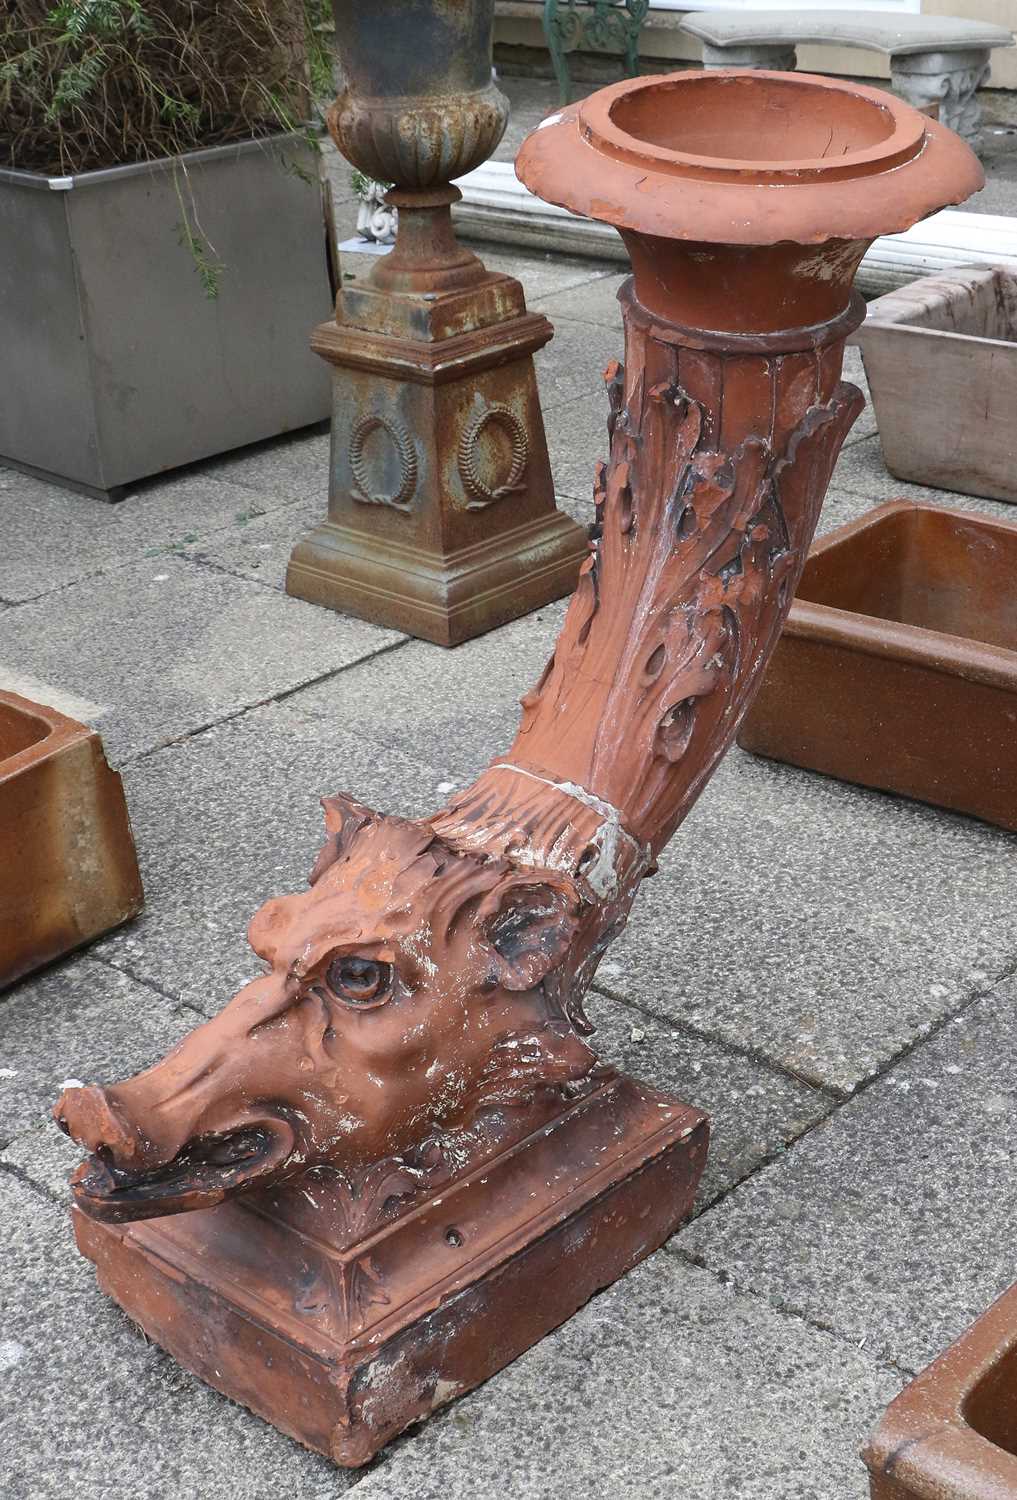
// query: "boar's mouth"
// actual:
[[206, 1171]]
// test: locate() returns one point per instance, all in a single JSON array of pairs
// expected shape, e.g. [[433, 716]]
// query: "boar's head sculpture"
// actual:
[[436, 967], [411, 985]]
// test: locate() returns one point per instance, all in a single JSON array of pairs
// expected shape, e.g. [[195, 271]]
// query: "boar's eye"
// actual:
[[359, 981]]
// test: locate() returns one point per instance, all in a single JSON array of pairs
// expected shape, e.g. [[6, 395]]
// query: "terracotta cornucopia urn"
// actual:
[[394, 1161]]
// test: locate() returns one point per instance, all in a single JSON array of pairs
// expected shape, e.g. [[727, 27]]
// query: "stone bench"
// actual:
[[933, 59]]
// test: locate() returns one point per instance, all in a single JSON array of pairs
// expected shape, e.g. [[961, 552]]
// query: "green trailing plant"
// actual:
[[87, 84]]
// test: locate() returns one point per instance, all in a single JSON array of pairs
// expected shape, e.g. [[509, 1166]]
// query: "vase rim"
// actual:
[[751, 157]]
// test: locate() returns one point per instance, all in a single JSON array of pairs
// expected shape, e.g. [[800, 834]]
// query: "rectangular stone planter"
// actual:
[[897, 667], [952, 1433], [68, 870], [117, 364], [941, 359]]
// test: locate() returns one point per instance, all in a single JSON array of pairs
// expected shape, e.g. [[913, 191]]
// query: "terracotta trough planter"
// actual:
[[897, 667], [941, 360], [952, 1433], [69, 871]]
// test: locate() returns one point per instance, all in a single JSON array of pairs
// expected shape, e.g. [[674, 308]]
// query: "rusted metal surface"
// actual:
[[903, 628], [941, 360], [68, 870], [442, 519], [421, 1027], [952, 1433]]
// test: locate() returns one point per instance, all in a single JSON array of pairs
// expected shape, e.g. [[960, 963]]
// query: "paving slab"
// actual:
[[589, 302], [291, 468], [755, 1111], [894, 1221], [44, 1156], [572, 365], [229, 818], [576, 439], [861, 470], [79, 1019], [455, 710], [168, 646], [822, 925], [53, 536], [667, 1385], [88, 1408], [259, 548]]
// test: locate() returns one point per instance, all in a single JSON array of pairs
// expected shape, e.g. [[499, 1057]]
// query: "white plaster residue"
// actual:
[[11, 1354], [8, 1072], [71, 1083], [602, 874], [444, 1390], [418, 944]]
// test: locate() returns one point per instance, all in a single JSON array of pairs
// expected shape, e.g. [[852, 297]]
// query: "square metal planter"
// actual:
[[897, 667], [116, 364], [68, 870], [952, 1433], [941, 359]]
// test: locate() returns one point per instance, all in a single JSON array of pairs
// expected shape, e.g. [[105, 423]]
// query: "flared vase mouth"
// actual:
[[754, 127], [738, 156]]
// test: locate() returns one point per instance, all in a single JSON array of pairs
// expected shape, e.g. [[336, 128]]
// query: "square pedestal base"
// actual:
[[343, 1345], [446, 599]]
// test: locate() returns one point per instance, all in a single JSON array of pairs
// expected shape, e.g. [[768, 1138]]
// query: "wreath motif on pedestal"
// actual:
[[481, 494], [401, 440]]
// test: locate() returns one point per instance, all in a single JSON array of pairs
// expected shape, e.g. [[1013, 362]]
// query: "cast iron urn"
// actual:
[[442, 519]]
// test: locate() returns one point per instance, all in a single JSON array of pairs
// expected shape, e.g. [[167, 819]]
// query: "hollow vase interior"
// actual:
[[937, 571], [752, 119]]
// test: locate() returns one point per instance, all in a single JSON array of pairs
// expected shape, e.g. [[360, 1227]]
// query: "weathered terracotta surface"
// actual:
[[68, 870], [342, 1307], [441, 518], [952, 1433], [903, 628], [421, 1026]]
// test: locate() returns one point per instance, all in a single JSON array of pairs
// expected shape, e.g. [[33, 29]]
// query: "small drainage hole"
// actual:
[[453, 1238]]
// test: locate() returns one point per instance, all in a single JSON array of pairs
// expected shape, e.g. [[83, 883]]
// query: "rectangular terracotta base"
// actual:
[[342, 1348], [952, 1433], [897, 667]]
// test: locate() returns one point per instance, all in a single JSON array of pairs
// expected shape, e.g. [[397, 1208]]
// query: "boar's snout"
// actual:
[[91, 1117]]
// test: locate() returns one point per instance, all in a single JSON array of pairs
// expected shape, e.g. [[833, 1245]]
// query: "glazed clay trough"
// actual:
[[941, 359], [394, 1161], [897, 667], [952, 1433], [68, 870]]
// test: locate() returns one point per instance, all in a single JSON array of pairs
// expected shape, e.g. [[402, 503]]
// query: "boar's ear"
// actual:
[[344, 818], [529, 923]]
